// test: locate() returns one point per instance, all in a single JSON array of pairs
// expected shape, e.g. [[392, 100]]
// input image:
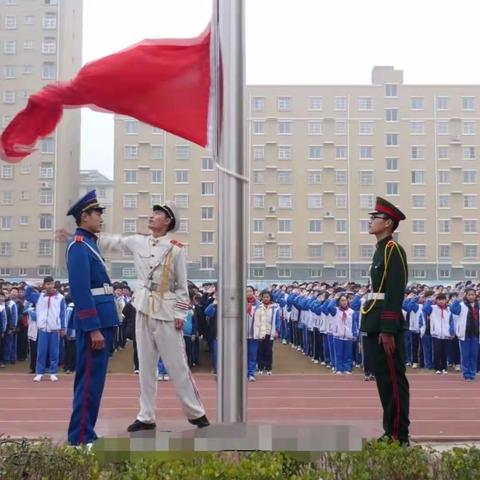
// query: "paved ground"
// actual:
[[443, 408]]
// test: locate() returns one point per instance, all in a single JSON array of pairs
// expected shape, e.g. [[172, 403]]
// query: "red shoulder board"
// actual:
[[176, 243], [78, 238]]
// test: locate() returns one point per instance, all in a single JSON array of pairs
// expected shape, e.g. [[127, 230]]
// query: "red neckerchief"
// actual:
[[250, 304]]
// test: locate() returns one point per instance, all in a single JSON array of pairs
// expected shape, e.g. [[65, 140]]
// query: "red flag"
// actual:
[[165, 83]]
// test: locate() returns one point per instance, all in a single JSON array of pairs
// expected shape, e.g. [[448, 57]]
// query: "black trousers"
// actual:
[[439, 353], [317, 345], [70, 353], [135, 355], [392, 385], [311, 347], [33, 355], [265, 354], [415, 346], [22, 344], [188, 349]]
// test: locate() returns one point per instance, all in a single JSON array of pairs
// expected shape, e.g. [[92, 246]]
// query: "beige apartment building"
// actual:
[[317, 156], [40, 43]]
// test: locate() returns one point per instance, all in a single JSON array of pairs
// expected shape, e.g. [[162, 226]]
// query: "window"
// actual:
[[49, 45], [182, 152], [258, 200], [468, 127], [45, 248], [181, 176], [418, 201], [7, 198], [131, 127], [208, 188], [444, 201], [259, 177], [258, 104], [340, 177], [417, 103], [284, 127], [183, 225], [128, 272], [314, 127], [442, 103], [157, 131], [6, 171], [5, 223], [418, 226], [49, 71], [46, 197], [10, 47], [364, 225], [49, 21], [9, 72], [257, 272], [47, 146], [156, 176], [444, 273], [444, 226], [314, 177], [9, 96], [366, 251], [258, 251], [284, 104], [443, 176], [469, 176], [470, 226], [341, 251], [442, 127], [391, 114], [10, 22], [284, 177], [259, 152], [5, 249], [365, 128], [392, 188], [130, 176], [46, 221], [340, 104], [391, 164], [314, 200], [28, 45], [315, 251], [469, 201], [24, 220], [259, 127], [340, 200], [419, 251], [417, 127], [366, 152], [367, 177], [419, 273], [258, 225], [207, 164], [314, 152], [130, 200], [46, 170], [470, 251], [341, 226], [444, 251], [284, 251], [418, 177], [51, 2], [341, 273], [340, 152], [366, 201], [285, 201], [129, 225], [206, 213], [206, 237], [417, 152], [365, 103], [315, 226], [340, 127], [468, 103], [156, 152], [131, 152], [156, 199], [28, 20], [391, 139], [181, 200], [285, 226], [284, 273], [315, 103], [469, 273], [442, 153], [469, 153], [391, 90], [284, 152]]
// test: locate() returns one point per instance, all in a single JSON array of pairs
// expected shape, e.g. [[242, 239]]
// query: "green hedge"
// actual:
[[377, 461]]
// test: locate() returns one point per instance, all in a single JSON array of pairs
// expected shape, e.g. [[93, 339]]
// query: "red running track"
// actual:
[[443, 408]]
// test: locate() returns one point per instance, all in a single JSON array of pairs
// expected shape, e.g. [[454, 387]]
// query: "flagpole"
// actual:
[[232, 361]]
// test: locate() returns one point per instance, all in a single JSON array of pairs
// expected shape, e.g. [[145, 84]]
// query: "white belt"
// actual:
[[375, 296], [105, 290]]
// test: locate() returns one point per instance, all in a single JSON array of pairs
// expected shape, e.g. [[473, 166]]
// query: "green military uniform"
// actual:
[[382, 313]]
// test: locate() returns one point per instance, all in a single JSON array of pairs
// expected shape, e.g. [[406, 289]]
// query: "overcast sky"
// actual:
[[296, 42]]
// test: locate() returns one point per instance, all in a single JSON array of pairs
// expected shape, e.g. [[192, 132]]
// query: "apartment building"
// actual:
[[317, 156], [40, 43]]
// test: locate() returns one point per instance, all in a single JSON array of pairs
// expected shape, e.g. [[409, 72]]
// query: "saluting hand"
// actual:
[[62, 235], [97, 340], [388, 341]]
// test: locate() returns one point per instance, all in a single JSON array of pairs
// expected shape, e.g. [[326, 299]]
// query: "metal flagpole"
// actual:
[[228, 21]]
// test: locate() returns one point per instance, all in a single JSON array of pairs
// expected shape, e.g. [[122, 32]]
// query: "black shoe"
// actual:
[[384, 438], [137, 425], [201, 422]]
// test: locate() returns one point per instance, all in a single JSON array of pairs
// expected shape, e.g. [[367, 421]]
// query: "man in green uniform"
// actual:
[[383, 321]]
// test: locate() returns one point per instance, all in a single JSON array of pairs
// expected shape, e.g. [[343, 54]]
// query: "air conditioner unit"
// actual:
[[455, 140], [270, 236], [328, 214], [272, 209], [45, 185]]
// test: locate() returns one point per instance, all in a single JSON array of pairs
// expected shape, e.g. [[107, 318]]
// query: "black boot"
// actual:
[[137, 425], [201, 422]]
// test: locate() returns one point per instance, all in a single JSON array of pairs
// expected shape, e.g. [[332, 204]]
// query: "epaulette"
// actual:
[[79, 238], [391, 244], [176, 243]]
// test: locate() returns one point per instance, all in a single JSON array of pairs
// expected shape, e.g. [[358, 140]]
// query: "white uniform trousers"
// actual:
[[159, 338]]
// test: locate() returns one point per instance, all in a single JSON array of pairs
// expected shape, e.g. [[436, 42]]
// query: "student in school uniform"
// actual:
[[425, 335]]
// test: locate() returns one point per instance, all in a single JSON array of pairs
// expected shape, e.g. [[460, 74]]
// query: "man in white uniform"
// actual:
[[161, 301]]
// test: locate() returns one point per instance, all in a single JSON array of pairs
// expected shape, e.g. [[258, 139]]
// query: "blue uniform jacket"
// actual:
[[86, 270], [3, 321]]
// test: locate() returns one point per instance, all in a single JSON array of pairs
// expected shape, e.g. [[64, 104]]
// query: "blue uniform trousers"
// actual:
[[408, 347], [161, 367], [10, 354], [317, 345], [91, 370], [453, 351], [427, 351], [331, 346], [469, 354], [284, 329], [326, 349], [48, 343], [343, 355], [252, 354]]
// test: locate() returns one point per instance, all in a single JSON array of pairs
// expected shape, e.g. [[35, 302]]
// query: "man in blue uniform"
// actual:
[[95, 317]]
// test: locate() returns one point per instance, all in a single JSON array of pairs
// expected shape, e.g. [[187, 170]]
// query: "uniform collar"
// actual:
[[384, 241], [154, 241], [87, 234]]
